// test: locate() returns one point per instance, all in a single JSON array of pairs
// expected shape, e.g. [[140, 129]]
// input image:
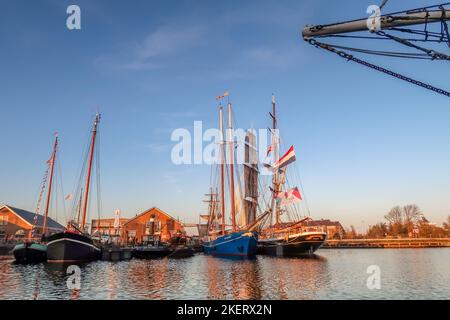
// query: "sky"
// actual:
[[365, 142]]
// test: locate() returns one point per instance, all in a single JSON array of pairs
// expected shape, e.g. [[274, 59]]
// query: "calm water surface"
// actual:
[[332, 274]]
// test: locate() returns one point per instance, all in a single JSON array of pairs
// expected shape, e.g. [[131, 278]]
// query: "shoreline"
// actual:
[[387, 243]]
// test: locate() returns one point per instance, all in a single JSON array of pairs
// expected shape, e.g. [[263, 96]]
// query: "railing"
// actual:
[[296, 230]]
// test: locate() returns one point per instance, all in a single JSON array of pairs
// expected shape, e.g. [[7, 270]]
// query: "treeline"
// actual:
[[404, 222]]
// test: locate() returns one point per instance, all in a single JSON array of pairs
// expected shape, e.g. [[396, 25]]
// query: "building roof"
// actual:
[[29, 218], [324, 222], [151, 209]]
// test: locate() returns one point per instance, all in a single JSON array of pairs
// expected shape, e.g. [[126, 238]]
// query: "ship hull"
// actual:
[[71, 248], [241, 243], [299, 245], [30, 252], [151, 252]]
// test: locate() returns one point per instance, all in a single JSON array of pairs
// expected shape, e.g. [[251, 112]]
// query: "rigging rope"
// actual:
[[349, 57]]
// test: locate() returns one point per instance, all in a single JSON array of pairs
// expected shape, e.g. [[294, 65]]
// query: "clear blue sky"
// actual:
[[365, 142]]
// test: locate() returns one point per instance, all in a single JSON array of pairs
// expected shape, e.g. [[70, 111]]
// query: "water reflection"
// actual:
[[337, 274]]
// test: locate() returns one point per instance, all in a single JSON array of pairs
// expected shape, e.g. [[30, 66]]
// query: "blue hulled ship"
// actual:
[[240, 243]]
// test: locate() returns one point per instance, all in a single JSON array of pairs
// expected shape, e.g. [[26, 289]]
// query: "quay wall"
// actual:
[[388, 243]]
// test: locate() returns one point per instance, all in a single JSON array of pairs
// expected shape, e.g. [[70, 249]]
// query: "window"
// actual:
[[20, 234], [170, 225], [3, 220]]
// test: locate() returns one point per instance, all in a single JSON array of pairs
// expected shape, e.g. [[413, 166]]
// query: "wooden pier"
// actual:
[[388, 243]]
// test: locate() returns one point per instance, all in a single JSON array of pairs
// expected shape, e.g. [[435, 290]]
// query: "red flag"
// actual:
[[288, 158], [269, 150], [290, 196]]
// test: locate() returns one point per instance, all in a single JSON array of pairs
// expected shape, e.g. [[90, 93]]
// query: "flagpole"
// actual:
[[230, 139], [222, 160], [275, 211]]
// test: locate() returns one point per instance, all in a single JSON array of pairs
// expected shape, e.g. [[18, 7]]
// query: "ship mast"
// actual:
[[231, 142], [88, 179], [222, 160], [52, 167], [275, 146]]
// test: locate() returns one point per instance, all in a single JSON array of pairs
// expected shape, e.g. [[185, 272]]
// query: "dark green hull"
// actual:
[[30, 252]]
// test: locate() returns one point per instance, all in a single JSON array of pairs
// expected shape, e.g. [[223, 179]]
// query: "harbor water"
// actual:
[[332, 274]]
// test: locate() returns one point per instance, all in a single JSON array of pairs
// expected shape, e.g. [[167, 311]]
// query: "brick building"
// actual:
[[333, 229], [106, 226], [150, 224], [16, 224]]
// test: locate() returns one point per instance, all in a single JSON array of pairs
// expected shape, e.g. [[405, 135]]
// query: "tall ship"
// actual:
[[75, 245], [285, 232], [222, 239], [35, 249]]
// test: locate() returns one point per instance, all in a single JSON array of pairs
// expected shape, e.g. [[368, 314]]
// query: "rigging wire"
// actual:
[[378, 68]]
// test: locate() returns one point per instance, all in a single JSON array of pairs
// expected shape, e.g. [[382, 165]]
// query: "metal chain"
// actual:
[[432, 53], [378, 68]]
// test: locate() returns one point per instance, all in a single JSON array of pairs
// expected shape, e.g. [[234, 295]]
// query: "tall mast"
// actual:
[[231, 156], [52, 167], [79, 207], [275, 145], [222, 160], [88, 180]]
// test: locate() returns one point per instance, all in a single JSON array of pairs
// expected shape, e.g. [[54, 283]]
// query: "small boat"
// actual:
[[181, 252], [75, 244], [151, 252], [31, 251]]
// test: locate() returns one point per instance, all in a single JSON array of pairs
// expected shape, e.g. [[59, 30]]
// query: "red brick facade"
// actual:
[[153, 222]]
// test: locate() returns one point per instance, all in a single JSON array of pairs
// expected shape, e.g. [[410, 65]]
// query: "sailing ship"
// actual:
[[75, 245], [220, 241], [35, 250], [292, 237]]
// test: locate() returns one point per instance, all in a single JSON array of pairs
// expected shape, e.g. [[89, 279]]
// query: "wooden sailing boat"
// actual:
[[75, 245], [234, 241], [35, 250], [293, 237]]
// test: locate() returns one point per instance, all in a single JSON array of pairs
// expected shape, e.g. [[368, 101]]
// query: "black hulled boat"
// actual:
[[75, 245], [69, 247], [31, 251]]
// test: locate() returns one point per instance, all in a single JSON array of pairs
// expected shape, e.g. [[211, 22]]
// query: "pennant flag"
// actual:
[[289, 197], [68, 197], [117, 218], [288, 158], [269, 150], [226, 94]]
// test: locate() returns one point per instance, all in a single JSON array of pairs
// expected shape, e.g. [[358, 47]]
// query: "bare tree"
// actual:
[[395, 216], [412, 213], [447, 224]]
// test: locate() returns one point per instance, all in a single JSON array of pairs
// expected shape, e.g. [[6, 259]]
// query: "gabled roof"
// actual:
[[323, 222], [28, 217], [147, 211]]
